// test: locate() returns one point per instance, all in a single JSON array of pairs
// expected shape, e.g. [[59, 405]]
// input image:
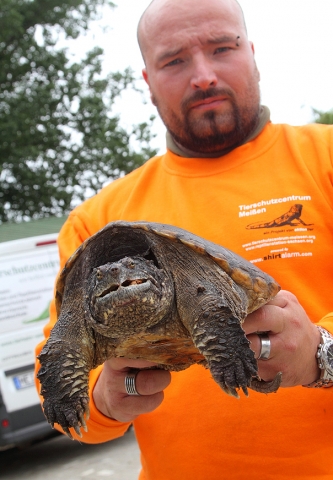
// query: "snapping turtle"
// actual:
[[156, 292]]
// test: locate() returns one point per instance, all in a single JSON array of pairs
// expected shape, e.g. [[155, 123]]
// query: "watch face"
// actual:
[[329, 358]]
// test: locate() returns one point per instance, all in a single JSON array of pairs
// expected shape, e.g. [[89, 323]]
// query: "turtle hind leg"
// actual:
[[266, 387], [220, 338]]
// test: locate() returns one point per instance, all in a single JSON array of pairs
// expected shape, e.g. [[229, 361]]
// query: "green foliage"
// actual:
[[59, 140], [323, 117]]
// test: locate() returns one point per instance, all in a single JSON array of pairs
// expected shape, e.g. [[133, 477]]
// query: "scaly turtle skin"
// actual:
[[155, 292]]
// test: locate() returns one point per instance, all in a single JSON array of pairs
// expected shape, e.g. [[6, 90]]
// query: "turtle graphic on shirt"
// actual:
[[291, 218]]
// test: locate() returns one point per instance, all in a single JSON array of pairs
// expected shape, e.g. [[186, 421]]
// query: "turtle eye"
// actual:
[[99, 274], [128, 263]]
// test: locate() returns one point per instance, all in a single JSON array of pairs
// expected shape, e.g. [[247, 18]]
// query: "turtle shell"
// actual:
[[120, 239]]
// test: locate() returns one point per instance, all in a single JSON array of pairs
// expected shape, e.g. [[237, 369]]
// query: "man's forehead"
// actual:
[[170, 17]]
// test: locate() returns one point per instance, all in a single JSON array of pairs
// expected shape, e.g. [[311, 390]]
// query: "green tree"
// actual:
[[59, 140], [323, 117]]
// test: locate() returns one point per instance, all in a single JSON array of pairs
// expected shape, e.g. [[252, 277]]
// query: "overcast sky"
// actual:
[[293, 42]]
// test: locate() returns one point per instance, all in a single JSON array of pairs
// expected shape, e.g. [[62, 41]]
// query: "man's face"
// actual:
[[201, 73]]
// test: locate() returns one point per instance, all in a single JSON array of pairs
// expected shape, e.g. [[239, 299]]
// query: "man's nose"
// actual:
[[204, 76]]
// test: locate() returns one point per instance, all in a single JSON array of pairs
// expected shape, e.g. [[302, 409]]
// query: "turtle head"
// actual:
[[128, 295]]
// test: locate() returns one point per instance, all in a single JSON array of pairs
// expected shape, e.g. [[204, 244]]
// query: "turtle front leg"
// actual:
[[64, 384], [220, 338]]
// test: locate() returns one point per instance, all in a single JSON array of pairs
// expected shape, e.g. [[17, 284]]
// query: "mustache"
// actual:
[[204, 94]]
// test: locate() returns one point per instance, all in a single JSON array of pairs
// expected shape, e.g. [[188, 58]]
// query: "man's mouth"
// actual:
[[208, 103]]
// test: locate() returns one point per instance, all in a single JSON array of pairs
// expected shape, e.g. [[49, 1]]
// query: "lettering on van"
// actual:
[[28, 268]]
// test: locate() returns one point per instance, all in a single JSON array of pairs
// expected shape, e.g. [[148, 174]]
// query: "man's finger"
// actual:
[[281, 299], [256, 345], [149, 382], [269, 318], [123, 364]]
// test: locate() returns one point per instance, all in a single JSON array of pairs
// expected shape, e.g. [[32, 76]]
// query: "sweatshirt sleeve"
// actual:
[[327, 322], [100, 428]]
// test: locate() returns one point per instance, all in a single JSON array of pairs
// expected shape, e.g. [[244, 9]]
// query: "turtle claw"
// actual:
[[68, 433], [83, 422], [229, 390], [78, 431], [256, 384], [68, 415], [245, 390], [234, 376], [233, 392]]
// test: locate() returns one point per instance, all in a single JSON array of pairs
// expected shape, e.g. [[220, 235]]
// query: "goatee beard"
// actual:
[[213, 132]]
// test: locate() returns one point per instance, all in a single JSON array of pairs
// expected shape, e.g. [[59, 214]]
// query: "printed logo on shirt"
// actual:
[[283, 237]]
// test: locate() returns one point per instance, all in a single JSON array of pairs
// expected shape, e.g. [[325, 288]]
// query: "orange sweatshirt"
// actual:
[[270, 201]]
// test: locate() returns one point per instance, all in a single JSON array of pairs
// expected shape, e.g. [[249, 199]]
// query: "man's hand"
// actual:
[[294, 340], [110, 396]]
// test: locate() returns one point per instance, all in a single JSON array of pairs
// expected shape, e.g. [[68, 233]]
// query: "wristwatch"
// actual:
[[325, 360]]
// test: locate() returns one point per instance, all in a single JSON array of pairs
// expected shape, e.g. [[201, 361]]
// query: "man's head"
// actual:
[[201, 72]]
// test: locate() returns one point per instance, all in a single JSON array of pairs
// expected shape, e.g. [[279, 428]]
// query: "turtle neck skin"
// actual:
[[264, 118]]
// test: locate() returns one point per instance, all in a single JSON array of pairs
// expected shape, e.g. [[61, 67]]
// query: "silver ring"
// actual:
[[265, 346], [130, 384]]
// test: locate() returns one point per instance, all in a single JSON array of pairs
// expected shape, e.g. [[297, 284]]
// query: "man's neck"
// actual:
[[264, 118]]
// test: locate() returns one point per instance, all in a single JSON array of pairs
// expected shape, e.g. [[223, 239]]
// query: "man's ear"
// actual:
[[256, 67], [145, 76], [146, 79]]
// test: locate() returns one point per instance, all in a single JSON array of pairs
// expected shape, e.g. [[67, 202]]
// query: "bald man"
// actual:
[[225, 162], [177, 42]]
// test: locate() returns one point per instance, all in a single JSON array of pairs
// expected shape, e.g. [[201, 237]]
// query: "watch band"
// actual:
[[324, 381]]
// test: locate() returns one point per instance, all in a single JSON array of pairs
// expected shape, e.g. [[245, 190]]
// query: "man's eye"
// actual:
[[177, 61], [222, 49]]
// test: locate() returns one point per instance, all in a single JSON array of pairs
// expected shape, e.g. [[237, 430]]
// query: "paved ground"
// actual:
[[61, 458]]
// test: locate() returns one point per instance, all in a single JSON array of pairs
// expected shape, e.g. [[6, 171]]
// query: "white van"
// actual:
[[28, 267]]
